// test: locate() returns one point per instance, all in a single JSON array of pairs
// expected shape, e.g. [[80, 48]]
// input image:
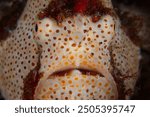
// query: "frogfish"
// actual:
[[68, 50]]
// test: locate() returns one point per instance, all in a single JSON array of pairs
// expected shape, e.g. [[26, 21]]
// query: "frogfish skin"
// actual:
[[68, 50]]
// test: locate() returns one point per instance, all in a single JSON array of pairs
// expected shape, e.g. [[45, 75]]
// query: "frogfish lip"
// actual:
[[77, 83], [82, 71]]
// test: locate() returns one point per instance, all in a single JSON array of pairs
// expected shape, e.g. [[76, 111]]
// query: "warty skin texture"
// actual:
[[77, 44]]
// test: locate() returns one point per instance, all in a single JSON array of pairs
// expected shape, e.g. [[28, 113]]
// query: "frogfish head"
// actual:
[[80, 51]]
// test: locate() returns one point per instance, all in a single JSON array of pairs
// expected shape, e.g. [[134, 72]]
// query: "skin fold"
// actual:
[[82, 56]]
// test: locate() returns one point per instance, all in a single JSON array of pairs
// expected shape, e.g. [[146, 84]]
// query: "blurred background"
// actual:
[[138, 12], [134, 14]]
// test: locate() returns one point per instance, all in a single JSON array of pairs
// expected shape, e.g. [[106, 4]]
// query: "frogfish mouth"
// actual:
[[67, 50]]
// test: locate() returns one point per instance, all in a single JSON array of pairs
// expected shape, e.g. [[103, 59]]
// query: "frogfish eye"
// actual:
[[36, 28]]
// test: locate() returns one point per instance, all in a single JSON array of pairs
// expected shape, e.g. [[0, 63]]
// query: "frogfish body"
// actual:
[[63, 49]]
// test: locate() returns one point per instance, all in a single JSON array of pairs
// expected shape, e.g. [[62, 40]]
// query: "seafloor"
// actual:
[[10, 11]]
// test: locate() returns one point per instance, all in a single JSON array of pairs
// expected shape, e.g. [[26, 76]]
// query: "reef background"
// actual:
[[10, 11]]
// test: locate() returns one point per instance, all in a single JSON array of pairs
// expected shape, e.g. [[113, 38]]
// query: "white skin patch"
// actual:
[[75, 44]]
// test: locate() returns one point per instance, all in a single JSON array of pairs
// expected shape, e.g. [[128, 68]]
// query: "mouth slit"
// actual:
[[82, 71]]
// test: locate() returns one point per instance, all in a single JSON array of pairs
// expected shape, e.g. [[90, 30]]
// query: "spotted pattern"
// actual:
[[75, 86], [77, 44], [19, 53], [126, 62]]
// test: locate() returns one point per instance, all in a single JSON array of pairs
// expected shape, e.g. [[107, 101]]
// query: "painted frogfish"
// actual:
[[68, 50]]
